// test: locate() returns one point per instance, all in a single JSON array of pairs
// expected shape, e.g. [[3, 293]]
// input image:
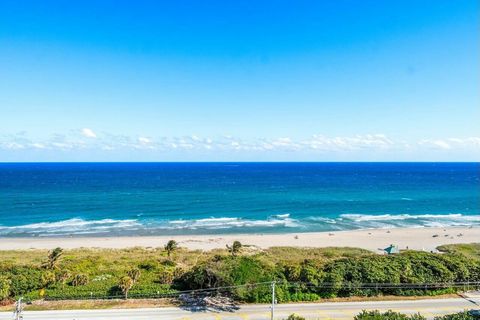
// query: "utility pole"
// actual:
[[17, 313], [273, 300]]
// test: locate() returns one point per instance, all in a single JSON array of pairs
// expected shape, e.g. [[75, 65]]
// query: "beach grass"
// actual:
[[117, 260], [471, 250]]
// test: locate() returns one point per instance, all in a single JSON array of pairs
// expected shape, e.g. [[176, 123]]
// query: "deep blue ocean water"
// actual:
[[57, 199]]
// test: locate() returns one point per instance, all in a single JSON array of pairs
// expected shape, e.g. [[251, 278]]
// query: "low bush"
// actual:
[[389, 315], [465, 315], [295, 317], [79, 280], [4, 287]]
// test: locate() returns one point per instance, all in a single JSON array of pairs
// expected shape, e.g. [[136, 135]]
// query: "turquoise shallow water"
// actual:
[[54, 199]]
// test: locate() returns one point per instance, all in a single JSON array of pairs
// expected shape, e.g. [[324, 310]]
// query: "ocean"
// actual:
[[111, 199]]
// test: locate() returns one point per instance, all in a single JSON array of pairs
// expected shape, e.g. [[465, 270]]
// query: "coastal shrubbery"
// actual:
[[465, 315], [391, 315], [23, 279], [4, 287], [295, 317], [246, 275], [309, 280], [388, 315]]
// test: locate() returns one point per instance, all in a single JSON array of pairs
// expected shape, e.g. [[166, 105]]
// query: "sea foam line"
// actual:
[[74, 225], [229, 222], [312, 223], [389, 217]]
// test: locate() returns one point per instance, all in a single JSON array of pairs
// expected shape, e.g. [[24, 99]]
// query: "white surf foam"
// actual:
[[75, 226], [229, 222], [390, 217], [282, 216], [281, 222]]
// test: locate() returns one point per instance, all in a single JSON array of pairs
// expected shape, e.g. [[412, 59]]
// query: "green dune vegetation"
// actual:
[[391, 315], [246, 272], [471, 250]]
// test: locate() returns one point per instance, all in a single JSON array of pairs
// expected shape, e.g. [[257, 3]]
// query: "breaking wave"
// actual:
[[70, 226], [78, 226], [275, 223], [227, 223], [408, 220], [364, 217]]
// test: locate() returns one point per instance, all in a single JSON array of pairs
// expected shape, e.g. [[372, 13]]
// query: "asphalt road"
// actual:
[[337, 310]]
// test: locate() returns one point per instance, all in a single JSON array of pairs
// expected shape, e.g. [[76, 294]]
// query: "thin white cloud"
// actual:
[[472, 143], [435, 144], [87, 132], [12, 145], [442, 144], [38, 145], [316, 144], [195, 138], [144, 140], [320, 142]]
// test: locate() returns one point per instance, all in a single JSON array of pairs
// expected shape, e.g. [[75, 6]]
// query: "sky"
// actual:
[[240, 80]]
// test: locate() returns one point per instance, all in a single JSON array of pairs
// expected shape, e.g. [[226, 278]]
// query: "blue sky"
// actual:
[[239, 80]]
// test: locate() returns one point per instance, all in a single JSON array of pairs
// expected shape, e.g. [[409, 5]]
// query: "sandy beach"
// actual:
[[374, 239]]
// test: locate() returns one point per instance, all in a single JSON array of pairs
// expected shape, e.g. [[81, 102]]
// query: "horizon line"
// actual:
[[119, 162]]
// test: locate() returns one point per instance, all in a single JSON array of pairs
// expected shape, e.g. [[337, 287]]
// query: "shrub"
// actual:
[[200, 277], [79, 280], [63, 276], [458, 316], [389, 315], [178, 272], [4, 288], [294, 316], [229, 271], [48, 279], [24, 279], [148, 265], [166, 276]]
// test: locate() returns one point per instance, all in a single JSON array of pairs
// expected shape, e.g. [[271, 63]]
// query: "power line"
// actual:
[[310, 285]]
